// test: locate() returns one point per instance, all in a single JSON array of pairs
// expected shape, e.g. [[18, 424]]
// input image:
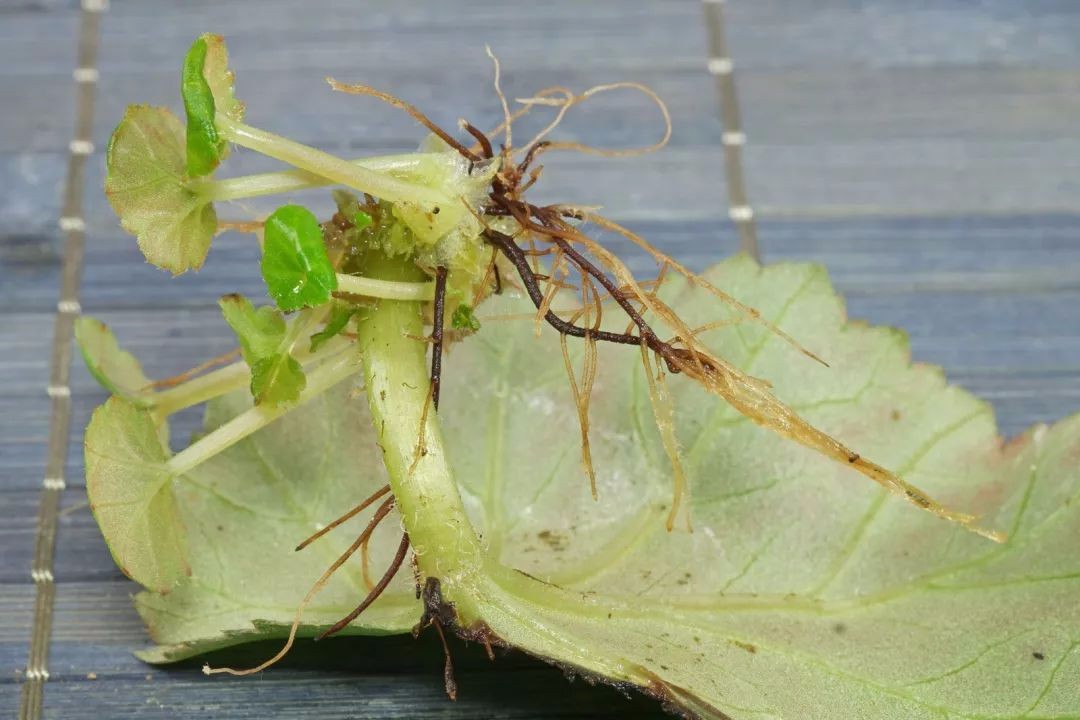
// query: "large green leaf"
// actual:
[[803, 591]]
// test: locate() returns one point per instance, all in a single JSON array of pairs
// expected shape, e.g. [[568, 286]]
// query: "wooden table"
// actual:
[[927, 152]]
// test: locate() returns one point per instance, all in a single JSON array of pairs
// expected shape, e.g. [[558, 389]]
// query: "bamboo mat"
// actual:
[[927, 152]]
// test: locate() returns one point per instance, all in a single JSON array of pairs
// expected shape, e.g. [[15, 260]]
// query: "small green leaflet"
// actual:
[[464, 319], [145, 182], [205, 147], [206, 85], [117, 370], [339, 319], [131, 495], [276, 377], [361, 220], [295, 266]]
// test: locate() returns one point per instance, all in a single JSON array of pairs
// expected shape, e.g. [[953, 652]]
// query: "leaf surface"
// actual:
[[131, 495], [206, 85], [803, 591], [145, 182], [117, 370], [276, 376], [295, 266]]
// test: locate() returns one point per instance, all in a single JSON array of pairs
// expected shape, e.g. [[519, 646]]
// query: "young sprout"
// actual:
[[215, 118], [295, 266]]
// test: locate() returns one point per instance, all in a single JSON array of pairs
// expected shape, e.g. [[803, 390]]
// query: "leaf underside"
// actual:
[[803, 590], [146, 186], [117, 370]]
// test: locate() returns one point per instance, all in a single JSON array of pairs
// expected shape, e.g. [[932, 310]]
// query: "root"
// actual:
[[549, 229], [346, 517], [382, 511], [437, 334], [373, 595], [188, 374]]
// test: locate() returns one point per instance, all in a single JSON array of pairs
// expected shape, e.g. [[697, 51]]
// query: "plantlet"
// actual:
[[707, 561]]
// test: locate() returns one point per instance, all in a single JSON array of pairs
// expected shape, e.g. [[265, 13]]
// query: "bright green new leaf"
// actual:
[[463, 318], [117, 370], [295, 266], [145, 182], [206, 85], [361, 220], [276, 377], [259, 331], [804, 591], [130, 490], [338, 321]]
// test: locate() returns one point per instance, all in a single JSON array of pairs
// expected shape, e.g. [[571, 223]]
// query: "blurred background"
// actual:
[[926, 151]]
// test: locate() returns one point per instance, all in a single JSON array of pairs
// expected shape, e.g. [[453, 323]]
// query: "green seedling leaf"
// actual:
[[145, 182], [260, 332], [277, 380], [295, 266], [276, 377], [117, 370], [339, 320], [361, 220], [802, 592], [206, 85], [131, 495], [464, 319]]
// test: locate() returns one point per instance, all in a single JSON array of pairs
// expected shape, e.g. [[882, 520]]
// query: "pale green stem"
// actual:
[[398, 387], [224, 380], [404, 167], [329, 166], [318, 381], [200, 389], [387, 289]]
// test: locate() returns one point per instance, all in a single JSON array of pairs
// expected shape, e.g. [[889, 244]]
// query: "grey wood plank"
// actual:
[[305, 109], [988, 297], [535, 695], [891, 33], [844, 105]]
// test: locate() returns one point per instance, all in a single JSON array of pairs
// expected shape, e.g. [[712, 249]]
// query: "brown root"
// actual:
[[380, 513], [542, 230], [200, 368]]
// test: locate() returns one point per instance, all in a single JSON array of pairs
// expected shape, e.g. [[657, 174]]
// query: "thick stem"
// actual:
[[398, 391], [329, 166], [321, 379], [407, 167]]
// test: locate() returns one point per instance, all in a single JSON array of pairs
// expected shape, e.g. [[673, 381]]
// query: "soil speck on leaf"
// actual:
[[556, 541]]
